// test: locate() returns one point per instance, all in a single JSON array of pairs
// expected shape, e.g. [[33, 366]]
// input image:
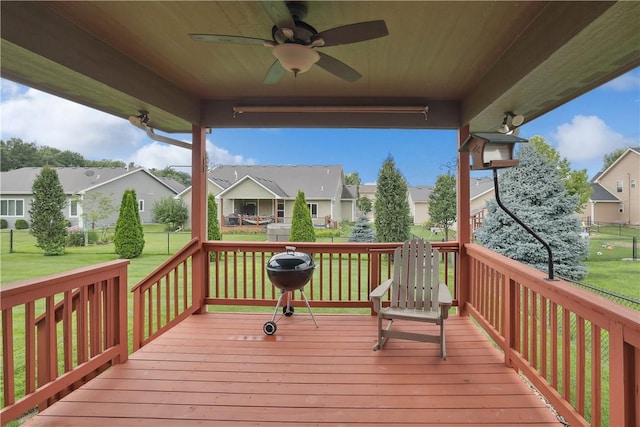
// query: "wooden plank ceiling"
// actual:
[[468, 61]]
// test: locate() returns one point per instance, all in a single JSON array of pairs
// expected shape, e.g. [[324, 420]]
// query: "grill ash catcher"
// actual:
[[289, 271]]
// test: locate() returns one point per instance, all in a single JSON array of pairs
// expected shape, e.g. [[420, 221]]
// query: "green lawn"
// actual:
[[606, 268]]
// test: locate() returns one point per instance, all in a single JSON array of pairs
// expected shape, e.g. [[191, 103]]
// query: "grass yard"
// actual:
[[608, 247]]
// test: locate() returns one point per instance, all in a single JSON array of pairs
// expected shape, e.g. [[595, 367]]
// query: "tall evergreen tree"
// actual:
[[48, 223], [393, 217], [213, 225], [362, 231], [129, 238], [301, 225], [442, 203], [535, 193]]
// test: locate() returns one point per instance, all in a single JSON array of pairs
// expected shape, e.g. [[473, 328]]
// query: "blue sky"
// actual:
[[583, 131]]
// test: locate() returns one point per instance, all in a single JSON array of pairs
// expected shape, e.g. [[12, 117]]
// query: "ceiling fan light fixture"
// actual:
[[295, 58]]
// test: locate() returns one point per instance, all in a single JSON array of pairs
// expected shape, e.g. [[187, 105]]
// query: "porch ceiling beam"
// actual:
[[86, 69], [570, 49]]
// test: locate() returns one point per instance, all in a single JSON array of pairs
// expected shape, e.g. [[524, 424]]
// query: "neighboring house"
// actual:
[[616, 194], [79, 184], [262, 194], [419, 203], [482, 190]]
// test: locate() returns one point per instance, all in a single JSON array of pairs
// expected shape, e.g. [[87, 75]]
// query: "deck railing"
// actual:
[[580, 350], [165, 297], [59, 332], [575, 347], [344, 276]]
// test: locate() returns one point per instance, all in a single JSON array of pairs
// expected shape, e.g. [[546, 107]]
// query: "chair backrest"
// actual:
[[416, 276]]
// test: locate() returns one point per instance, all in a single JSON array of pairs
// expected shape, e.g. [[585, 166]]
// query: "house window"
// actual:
[[73, 208], [621, 208], [313, 208], [633, 183], [140, 205], [280, 210], [619, 186], [12, 207]]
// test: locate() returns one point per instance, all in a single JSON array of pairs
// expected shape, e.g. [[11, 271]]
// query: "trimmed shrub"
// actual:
[[3, 223], [129, 238], [21, 224], [301, 225]]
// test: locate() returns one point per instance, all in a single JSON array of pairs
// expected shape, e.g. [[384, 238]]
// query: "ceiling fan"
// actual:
[[294, 41]]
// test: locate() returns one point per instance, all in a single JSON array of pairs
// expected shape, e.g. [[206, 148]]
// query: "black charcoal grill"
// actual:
[[289, 271]]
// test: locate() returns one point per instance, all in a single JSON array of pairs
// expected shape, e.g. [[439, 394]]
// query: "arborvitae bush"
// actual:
[[48, 223], [362, 231], [213, 225], [301, 225], [129, 238]]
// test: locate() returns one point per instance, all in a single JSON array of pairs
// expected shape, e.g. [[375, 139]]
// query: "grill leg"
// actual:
[[273, 318], [309, 307]]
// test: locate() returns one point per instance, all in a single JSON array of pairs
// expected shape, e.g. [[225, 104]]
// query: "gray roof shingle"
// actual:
[[316, 181]]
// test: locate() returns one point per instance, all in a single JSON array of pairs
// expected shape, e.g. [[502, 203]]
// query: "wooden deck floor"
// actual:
[[219, 369]]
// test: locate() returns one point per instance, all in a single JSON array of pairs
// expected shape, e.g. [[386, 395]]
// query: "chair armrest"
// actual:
[[378, 293], [444, 300]]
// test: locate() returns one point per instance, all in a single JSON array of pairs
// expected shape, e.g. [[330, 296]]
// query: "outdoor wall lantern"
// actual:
[[495, 151]]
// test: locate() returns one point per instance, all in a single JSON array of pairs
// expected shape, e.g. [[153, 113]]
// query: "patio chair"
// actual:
[[416, 295]]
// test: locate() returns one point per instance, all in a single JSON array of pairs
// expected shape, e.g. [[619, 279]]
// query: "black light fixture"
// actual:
[[495, 151]]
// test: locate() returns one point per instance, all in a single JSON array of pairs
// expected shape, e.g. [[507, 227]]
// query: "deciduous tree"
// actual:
[[170, 212], [442, 203]]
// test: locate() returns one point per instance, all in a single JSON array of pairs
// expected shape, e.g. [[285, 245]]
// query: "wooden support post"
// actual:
[[198, 213], [464, 228]]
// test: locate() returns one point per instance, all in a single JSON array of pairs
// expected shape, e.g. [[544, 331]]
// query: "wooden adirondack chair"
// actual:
[[416, 294]]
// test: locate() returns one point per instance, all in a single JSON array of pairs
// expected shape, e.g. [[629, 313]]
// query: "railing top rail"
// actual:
[[189, 249], [584, 303], [29, 290], [354, 247]]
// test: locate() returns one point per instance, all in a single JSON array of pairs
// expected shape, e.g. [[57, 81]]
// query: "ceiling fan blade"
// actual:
[[354, 33], [338, 68], [275, 73], [279, 13], [220, 38]]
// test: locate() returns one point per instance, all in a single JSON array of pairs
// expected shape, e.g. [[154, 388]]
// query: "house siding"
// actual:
[[78, 183], [625, 170]]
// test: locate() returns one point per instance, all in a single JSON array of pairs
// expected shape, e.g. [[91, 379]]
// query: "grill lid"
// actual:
[[290, 260]]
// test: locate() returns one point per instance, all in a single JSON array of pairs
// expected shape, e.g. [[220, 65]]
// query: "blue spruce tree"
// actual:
[[535, 193]]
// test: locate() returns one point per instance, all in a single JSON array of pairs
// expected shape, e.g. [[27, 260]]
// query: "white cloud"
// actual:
[[626, 82], [160, 155], [35, 116], [47, 120], [587, 138]]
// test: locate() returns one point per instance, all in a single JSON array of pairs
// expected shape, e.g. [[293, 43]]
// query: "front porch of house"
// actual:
[[219, 369]]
